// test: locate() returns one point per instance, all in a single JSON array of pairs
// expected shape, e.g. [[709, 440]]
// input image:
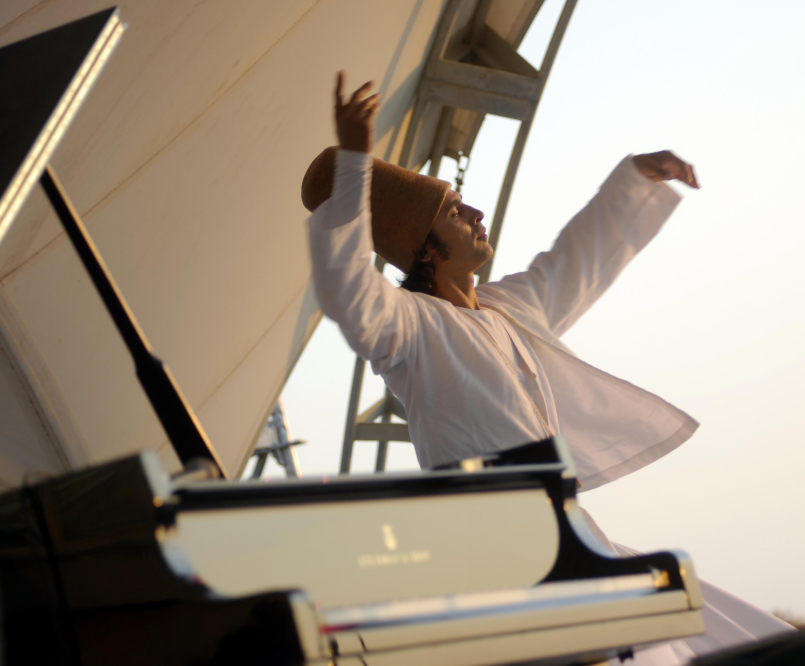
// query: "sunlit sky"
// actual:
[[709, 316]]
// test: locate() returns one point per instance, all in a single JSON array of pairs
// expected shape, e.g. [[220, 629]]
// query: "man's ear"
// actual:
[[428, 256]]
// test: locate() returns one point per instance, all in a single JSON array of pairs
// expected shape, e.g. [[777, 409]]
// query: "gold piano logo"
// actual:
[[392, 557], [389, 539]]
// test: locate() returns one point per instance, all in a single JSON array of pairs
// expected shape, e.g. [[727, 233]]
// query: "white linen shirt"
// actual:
[[460, 397], [526, 366]]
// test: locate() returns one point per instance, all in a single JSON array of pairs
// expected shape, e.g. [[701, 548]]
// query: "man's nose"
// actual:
[[473, 215]]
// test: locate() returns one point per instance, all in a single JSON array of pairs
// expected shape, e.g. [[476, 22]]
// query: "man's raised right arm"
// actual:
[[378, 320]]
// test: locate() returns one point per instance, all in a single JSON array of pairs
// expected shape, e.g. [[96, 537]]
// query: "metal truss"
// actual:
[[471, 71]]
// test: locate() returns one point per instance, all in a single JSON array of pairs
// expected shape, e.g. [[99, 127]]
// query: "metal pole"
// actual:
[[259, 465], [183, 429], [383, 447], [352, 414], [556, 38], [382, 450], [286, 451]]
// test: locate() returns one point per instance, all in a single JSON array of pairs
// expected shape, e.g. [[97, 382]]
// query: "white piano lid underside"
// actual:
[[185, 163]]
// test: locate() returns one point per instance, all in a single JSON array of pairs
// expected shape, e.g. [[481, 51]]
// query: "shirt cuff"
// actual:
[[636, 181], [351, 160], [351, 190]]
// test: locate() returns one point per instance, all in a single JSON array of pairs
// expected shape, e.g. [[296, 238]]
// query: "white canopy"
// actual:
[[185, 163]]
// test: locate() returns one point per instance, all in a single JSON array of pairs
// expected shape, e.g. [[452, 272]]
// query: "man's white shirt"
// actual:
[[461, 397], [526, 366]]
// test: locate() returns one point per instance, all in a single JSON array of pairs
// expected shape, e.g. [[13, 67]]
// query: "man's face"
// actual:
[[459, 227]]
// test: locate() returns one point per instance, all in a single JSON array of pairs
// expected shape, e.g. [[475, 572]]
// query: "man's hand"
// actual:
[[665, 166], [355, 120]]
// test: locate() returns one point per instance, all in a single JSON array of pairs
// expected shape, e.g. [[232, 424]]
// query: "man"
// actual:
[[482, 369]]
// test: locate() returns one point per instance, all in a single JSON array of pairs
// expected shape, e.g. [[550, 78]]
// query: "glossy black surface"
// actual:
[[223, 495], [83, 581], [532, 453], [34, 75]]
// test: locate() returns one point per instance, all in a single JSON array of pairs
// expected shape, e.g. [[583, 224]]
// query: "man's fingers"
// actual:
[[678, 169], [692, 177], [683, 172], [675, 170], [370, 112], [356, 95], [664, 165], [374, 108], [656, 171], [339, 90], [368, 104]]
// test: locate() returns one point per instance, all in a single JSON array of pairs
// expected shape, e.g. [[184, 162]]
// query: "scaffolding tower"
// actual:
[[471, 71]]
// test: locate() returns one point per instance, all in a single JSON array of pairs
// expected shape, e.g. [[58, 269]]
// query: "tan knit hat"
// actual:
[[404, 204]]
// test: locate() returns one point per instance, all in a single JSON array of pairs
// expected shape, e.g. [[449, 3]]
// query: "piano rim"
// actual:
[[213, 495]]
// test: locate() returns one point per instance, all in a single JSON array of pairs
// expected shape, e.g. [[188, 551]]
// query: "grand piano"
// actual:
[[488, 561]]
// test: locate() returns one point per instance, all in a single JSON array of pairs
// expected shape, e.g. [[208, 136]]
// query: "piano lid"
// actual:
[[185, 163]]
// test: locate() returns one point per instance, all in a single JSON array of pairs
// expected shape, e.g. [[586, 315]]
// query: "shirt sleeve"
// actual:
[[378, 320], [592, 249]]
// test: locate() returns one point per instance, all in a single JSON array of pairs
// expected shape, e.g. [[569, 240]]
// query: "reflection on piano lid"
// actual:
[[463, 606], [542, 621]]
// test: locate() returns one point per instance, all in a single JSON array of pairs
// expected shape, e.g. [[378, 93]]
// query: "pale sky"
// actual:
[[709, 316]]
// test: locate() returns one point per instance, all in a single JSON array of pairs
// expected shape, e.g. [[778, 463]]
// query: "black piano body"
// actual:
[[482, 564]]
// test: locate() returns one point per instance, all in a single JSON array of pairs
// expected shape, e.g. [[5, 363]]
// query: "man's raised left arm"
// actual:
[[595, 246]]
